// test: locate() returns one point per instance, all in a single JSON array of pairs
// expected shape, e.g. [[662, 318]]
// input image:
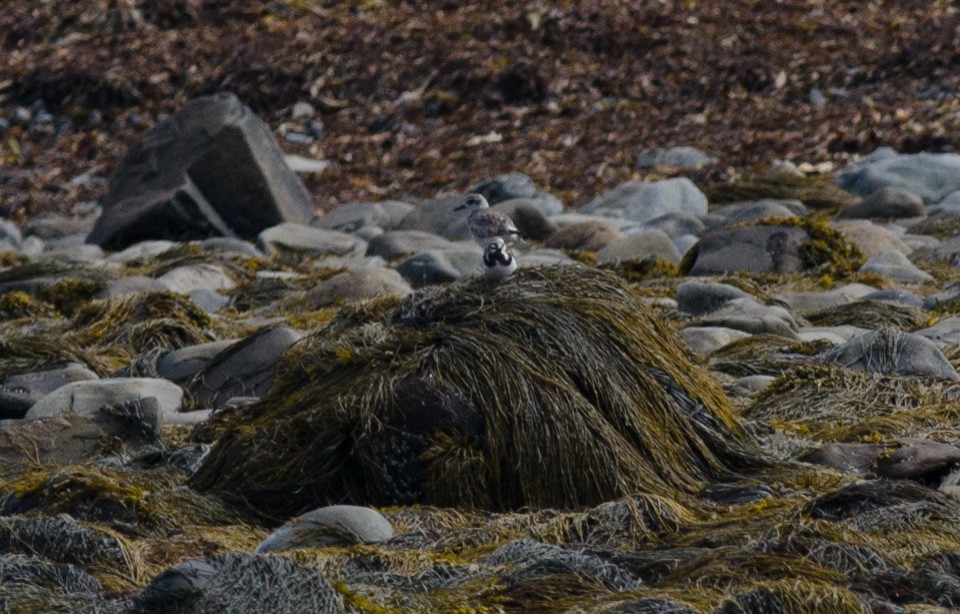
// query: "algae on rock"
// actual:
[[555, 388]]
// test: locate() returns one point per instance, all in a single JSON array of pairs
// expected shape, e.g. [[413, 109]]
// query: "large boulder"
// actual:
[[211, 169], [931, 176], [641, 201]]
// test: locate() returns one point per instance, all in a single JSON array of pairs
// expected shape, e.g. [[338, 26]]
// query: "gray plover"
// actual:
[[485, 223], [498, 262]]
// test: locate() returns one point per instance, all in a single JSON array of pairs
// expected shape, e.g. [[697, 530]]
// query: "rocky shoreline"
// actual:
[[735, 401]]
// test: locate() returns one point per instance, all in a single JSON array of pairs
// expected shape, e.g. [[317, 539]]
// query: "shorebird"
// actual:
[[486, 224], [498, 262]]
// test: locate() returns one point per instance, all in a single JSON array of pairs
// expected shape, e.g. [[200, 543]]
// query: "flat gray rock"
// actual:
[[85, 398], [18, 393], [350, 217], [335, 525], [755, 211], [588, 236], [399, 243], [429, 268], [893, 353], [213, 168], [674, 224], [870, 238], [751, 249], [179, 366], [749, 316], [943, 332], [208, 275], [641, 201], [142, 251], [433, 215], [892, 264], [246, 368], [931, 176], [697, 297], [358, 285], [512, 186], [304, 239], [889, 202], [705, 340], [640, 246], [851, 458]]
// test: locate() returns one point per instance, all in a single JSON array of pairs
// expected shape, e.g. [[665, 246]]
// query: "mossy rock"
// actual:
[[814, 191], [555, 388]]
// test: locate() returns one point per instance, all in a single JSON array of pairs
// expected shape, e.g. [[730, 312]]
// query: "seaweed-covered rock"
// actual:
[[64, 540], [697, 297], [893, 352], [596, 367], [213, 168], [333, 525], [30, 584], [239, 582]]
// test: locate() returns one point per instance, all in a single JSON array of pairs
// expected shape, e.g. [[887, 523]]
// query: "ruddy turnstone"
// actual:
[[485, 223], [498, 262]]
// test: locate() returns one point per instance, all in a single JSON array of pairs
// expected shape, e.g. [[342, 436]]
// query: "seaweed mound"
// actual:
[[555, 388]]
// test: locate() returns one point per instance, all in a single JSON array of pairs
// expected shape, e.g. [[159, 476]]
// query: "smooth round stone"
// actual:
[[544, 257], [697, 297], [358, 285], [674, 224], [749, 385], [892, 264], [752, 317], [18, 393], [642, 201], [142, 250], [888, 202], [638, 247], [931, 176], [893, 352], [85, 398], [870, 238], [705, 340], [428, 268], [588, 236], [302, 238], [350, 217], [505, 187], [335, 525], [186, 279], [182, 364], [896, 296], [232, 245], [755, 211], [399, 243]]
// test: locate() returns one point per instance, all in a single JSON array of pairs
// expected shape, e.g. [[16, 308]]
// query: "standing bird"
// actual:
[[498, 262], [486, 224]]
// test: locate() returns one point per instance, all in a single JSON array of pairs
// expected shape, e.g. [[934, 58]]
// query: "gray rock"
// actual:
[[186, 279], [358, 285], [638, 247], [896, 296], [232, 246], [749, 316], [433, 215], [533, 224], [55, 226], [569, 219], [851, 458], [804, 303], [685, 243], [133, 284], [71, 253], [368, 232], [335, 525], [870, 238], [588, 236], [517, 185], [32, 247], [749, 385], [752, 249], [213, 168], [18, 393], [889, 202], [85, 398], [684, 157], [931, 176], [246, 368], [944, 332], [641, 202], [705, 340], [755, 211], [306, 166], [894, 353], [142, 251], [674, 224], [181, 365], [544, 257], [428, 268], [301, 238], [209, 300], [916, 459], [399, 243], [349, 217], [892, 264], [697, 297]]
